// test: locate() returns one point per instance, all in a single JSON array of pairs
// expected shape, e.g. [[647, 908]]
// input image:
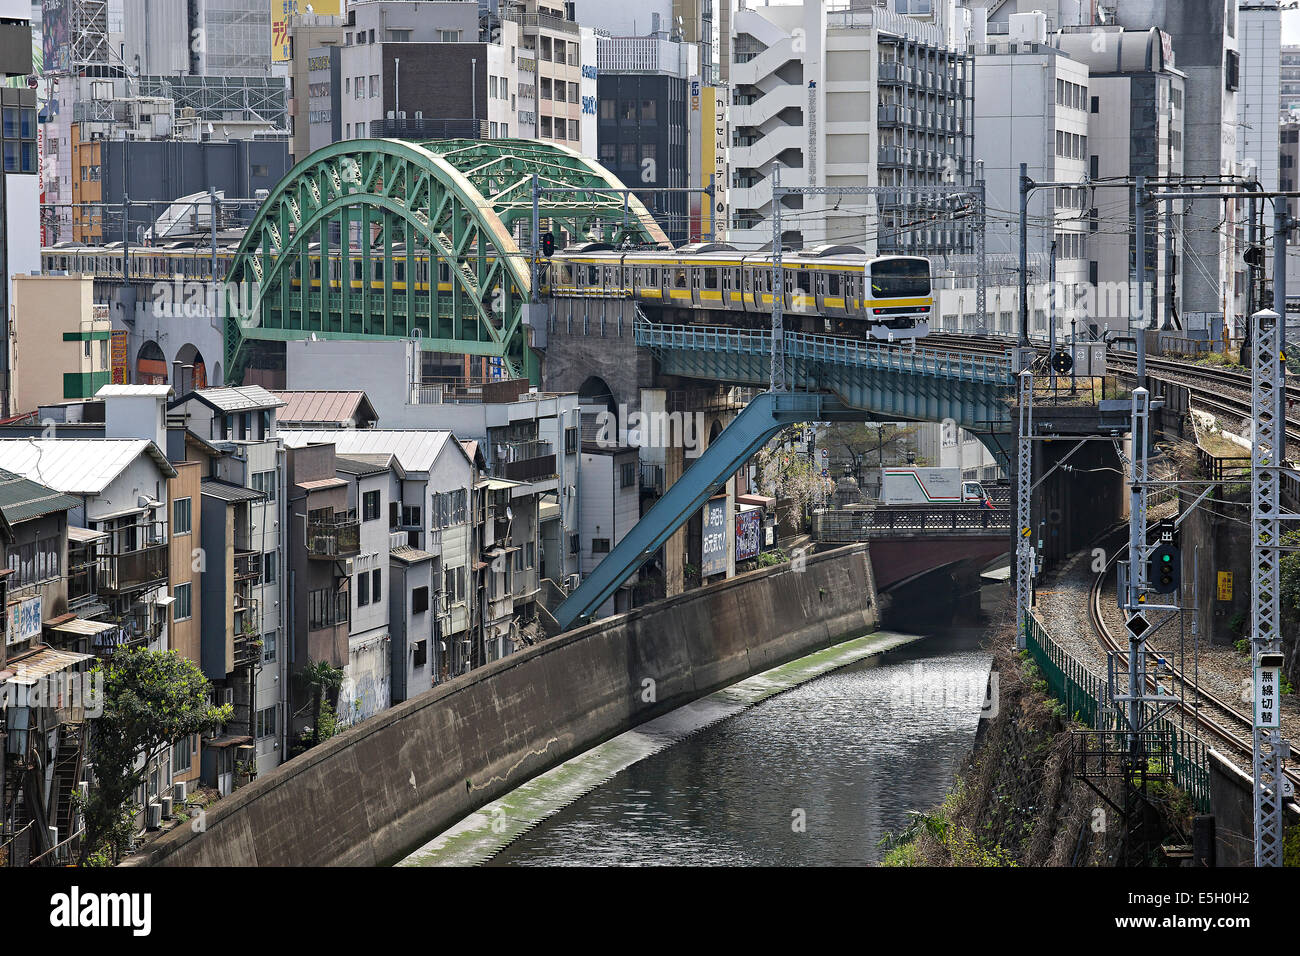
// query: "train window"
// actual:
[[710, 278], [802, 281], [736, 279], [422, 270], [564, 273], [593, 276], [654, 275], [399, 271], [315, 268], [377, 269], [444, 273], [679, 279], [295, 269], [833, 285], [356, 270]]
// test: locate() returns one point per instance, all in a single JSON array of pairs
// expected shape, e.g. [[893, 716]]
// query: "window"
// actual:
[[362, 589], [574, 544], [181, 516], [182, 609], [607, 109], [183, 754], [370, 506], [34, 561], [264, 481], [269, 567], [419, 600], [570, 441], [574, 134], [600, 545], [528, 554], [328, 607], [411, 516], [1095, 105], [419, 653], [649, 111], [376, 585], [266, 722], [448, 36], [627, 476], [268, 647]]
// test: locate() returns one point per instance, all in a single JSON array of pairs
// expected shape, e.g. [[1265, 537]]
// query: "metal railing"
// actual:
[[130, 570], [1083, 695], [338, 537], [858, 524], [985, 369]]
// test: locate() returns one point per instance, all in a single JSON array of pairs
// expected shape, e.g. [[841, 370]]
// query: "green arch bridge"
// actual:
[[430, 238]]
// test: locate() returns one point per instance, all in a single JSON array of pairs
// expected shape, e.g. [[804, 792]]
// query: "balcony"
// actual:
[[339, 537], [524, 460], [248, 567], [132, 570]]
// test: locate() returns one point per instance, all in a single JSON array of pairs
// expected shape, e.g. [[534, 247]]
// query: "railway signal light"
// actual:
[[548, 244], [1164, 569]]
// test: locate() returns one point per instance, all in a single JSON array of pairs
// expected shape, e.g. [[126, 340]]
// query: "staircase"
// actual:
[[67, 775]]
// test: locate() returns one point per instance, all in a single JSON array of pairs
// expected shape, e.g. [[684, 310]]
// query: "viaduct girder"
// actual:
[[389, 239], [884, 382]]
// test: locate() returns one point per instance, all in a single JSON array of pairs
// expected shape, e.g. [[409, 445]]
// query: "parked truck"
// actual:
[[930, 486]]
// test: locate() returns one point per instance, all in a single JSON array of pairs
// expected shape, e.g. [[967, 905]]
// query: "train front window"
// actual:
[[894, 278]]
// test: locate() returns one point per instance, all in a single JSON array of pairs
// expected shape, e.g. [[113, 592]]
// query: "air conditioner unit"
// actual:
[[153, 815], [179, 793], [572, 582], [166, 803], [347, 567]]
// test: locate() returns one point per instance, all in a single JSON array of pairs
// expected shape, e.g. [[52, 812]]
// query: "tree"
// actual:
[[784, 474], [152, 700], [864, 444], [320, 678]]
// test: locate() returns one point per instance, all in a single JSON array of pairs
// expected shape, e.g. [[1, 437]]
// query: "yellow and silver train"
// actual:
[[829, 290]]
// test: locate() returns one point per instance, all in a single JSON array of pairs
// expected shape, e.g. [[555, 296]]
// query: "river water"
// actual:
[[813, 776]]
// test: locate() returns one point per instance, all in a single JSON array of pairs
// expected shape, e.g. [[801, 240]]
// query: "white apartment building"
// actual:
[[1033, 108], [859, 97], [1259, 100]]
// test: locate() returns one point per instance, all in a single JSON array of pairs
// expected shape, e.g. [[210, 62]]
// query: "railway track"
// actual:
[[1215, 719]]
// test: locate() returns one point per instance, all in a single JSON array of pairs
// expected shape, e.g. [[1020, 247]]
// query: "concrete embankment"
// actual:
[[376, 792]]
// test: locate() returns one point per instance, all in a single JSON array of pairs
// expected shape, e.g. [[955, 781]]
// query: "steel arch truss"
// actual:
[[387, 239]]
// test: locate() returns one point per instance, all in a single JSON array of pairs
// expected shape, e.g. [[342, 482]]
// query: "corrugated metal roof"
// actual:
[[408, 555], [319, 408], [22, 499], [322, 484], [356, 466], [40, 664], [157, 391], [415, 450], [241, 398], [77, 465], [226, 492]]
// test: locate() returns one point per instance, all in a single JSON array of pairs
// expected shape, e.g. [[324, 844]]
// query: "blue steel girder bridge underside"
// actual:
[[884, 382], [368, 239]]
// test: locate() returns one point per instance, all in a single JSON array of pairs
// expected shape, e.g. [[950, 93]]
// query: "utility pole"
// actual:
[[1139, 221], [981, 299], [778, 380], [1024, 496], [1051, 319], [532, 259], [1266, 529], [1025, 185]]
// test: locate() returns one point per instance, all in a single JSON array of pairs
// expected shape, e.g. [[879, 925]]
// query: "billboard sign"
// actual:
[[282, 10], [749, 528], [713, 541]]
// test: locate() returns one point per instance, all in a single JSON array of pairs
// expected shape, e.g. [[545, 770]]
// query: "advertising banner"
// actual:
[[713, 541], [749, 527]]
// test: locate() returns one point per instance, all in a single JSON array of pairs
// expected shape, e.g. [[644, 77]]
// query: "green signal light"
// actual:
[[1166, 558]]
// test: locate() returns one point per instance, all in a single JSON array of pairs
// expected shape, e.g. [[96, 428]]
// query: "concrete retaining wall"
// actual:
[[1232, 801], [381, 789]]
